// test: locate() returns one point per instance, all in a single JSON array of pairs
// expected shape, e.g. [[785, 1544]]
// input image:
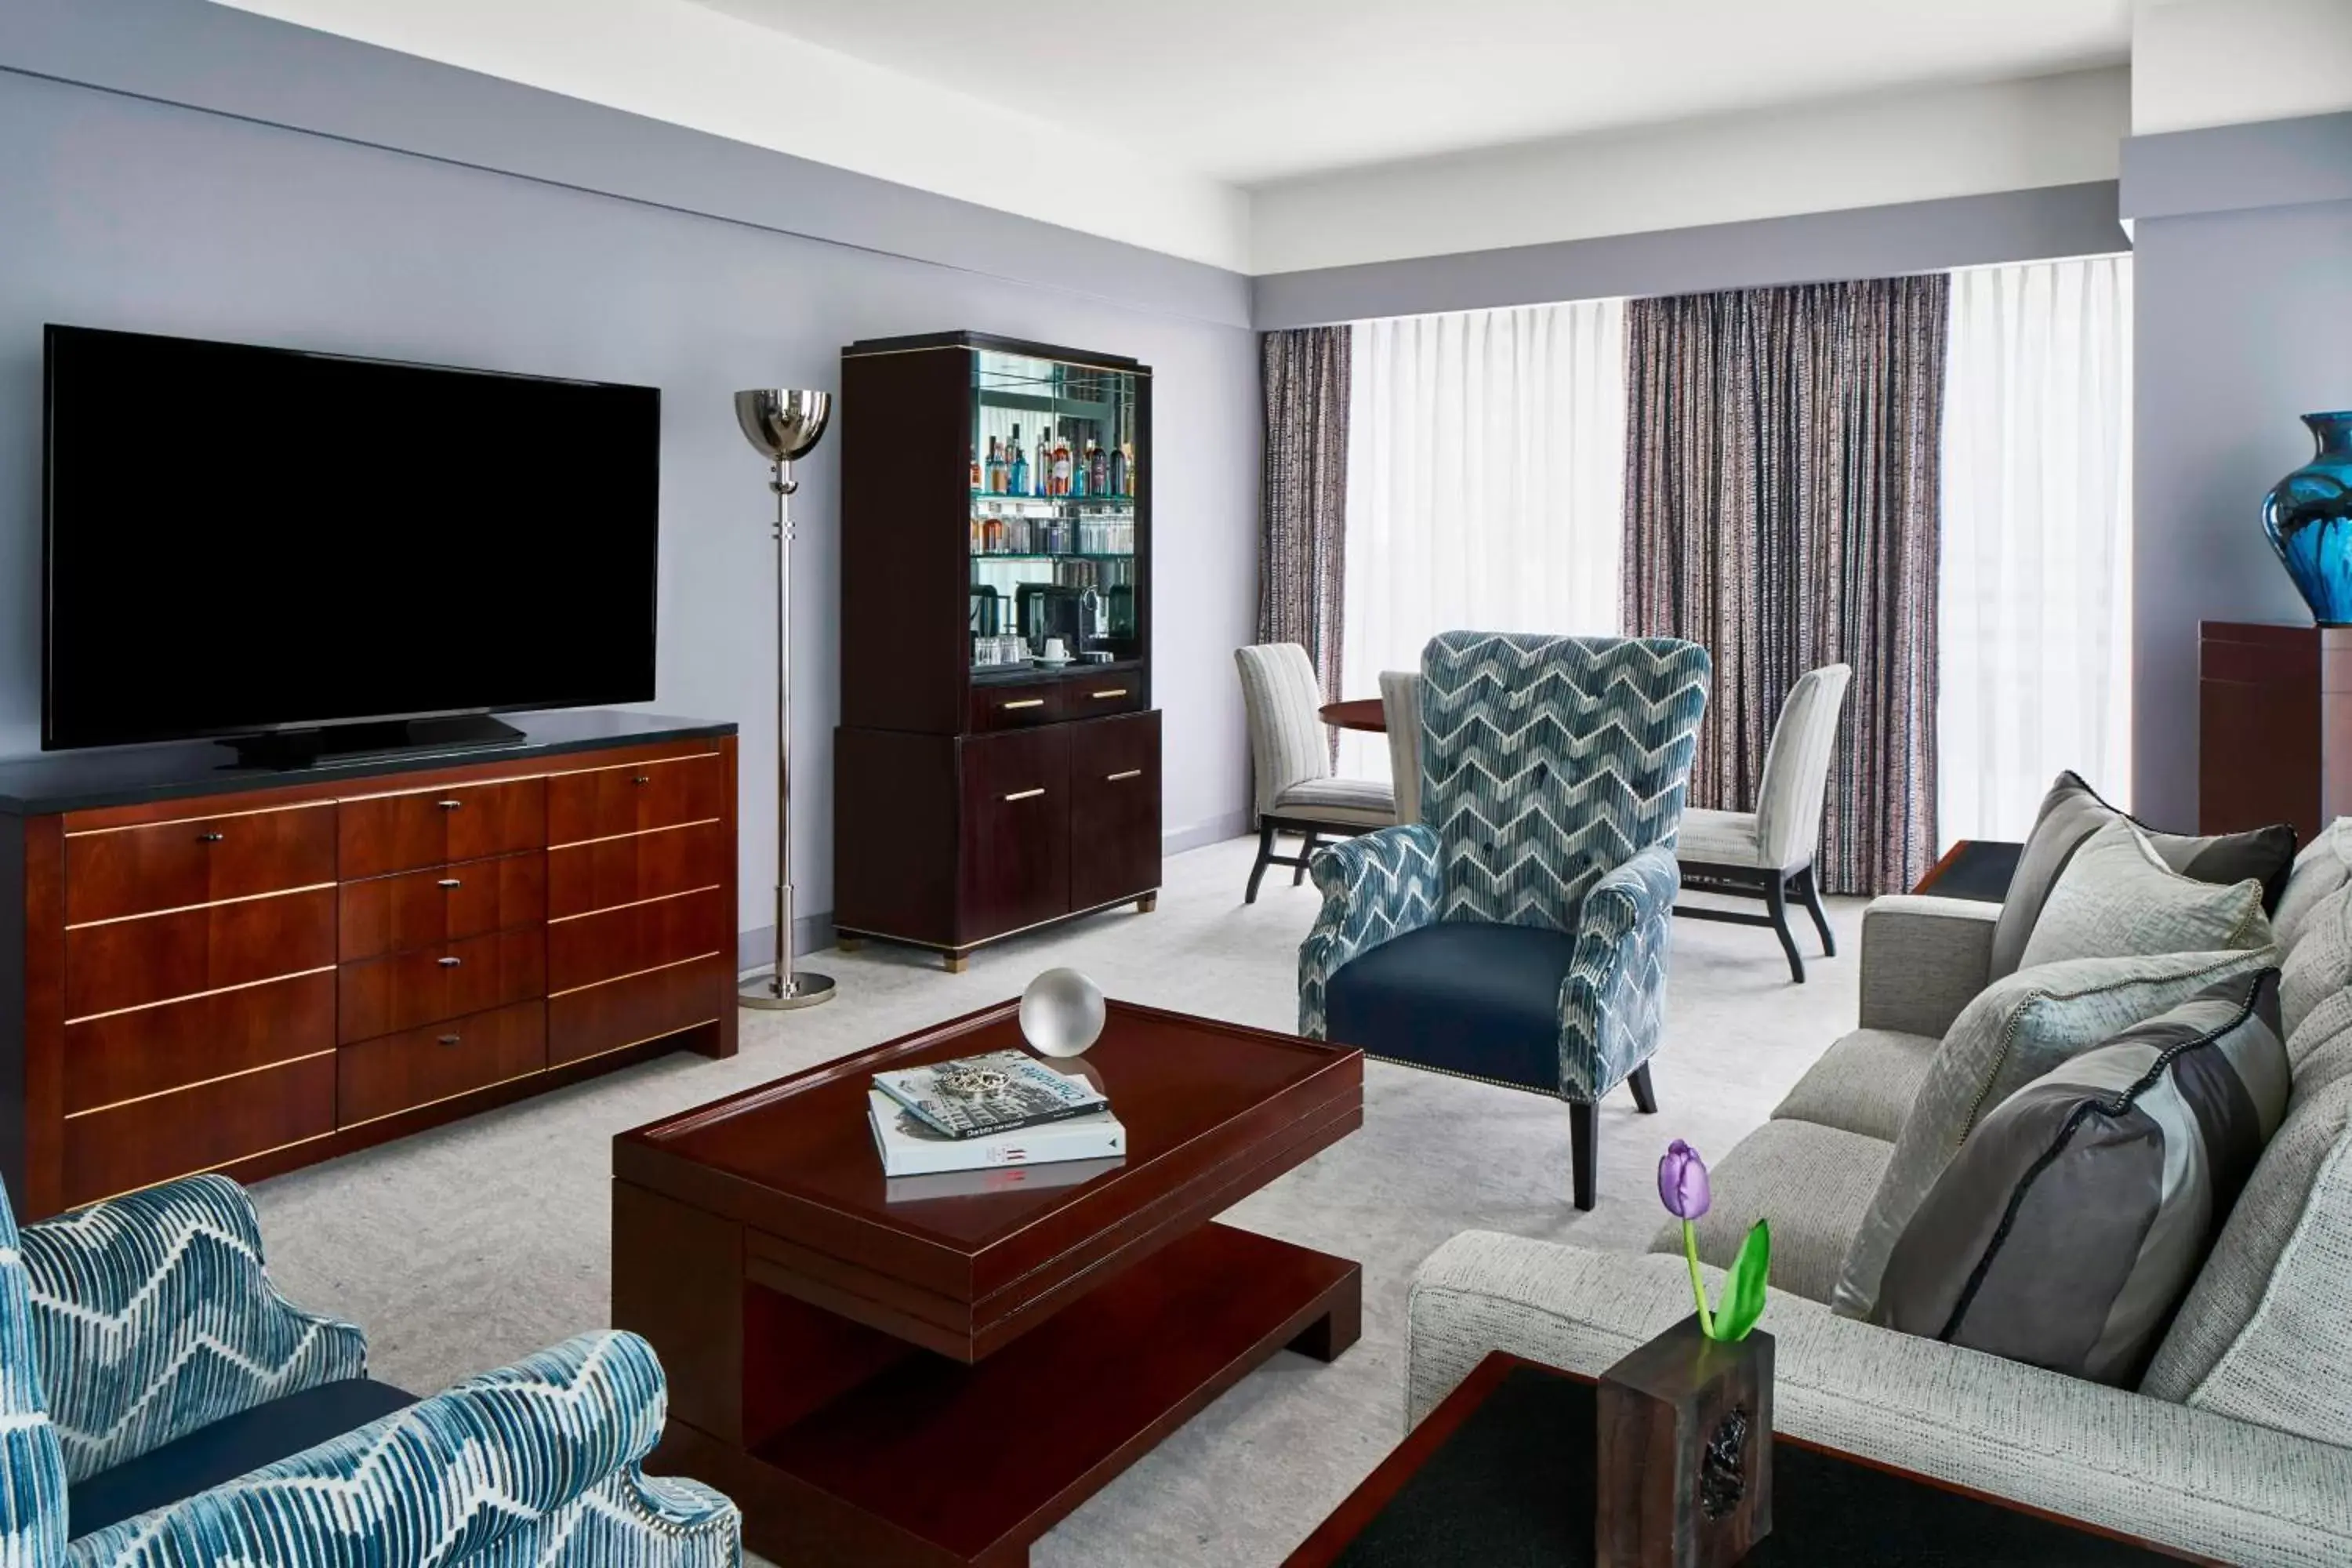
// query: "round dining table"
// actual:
[[1365, 713]]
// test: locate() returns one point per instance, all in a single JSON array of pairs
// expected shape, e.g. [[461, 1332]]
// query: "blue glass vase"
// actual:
[[2308, 516]]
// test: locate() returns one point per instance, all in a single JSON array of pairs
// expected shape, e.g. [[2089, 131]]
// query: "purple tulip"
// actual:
[[1682, 1181]]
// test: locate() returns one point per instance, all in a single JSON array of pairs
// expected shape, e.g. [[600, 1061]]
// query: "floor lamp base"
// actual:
[[758, 989]]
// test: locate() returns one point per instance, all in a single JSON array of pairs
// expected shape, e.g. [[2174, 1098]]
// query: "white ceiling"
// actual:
[[1251, 90]]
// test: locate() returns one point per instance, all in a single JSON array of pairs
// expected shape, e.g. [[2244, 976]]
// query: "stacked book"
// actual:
[[983, 1113]]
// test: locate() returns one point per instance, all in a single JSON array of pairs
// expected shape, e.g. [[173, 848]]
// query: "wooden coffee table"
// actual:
[[881, 1375]]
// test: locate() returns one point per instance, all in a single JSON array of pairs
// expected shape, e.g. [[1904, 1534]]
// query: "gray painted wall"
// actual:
[[125, 212], [2244, 320]]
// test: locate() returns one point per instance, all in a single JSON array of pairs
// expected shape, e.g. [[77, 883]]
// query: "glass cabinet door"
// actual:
[[1053, 484]]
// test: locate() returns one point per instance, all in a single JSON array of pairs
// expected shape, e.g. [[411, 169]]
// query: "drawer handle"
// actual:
[[1024, 702], [210, 837], [448, 805], [449, 882], [1130, 774], [449, 1039], [1026, 793], [642, 779], [1114, 691], [451, 963]]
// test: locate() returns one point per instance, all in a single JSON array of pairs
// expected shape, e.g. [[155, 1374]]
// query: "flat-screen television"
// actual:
[[239, 541]]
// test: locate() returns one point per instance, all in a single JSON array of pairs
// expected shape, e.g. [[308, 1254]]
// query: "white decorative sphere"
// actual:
[[1061, 1013]]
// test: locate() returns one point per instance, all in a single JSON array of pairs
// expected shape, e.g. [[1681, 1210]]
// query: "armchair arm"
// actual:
[[1612, 1003], [1922, 960], [153, 1315], [1374, 886], [539, 1461]]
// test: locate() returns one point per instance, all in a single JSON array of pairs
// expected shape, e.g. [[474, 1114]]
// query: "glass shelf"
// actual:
[[981, 500], [1054, 555]]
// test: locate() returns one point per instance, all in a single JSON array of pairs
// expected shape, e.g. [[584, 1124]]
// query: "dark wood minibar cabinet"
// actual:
[[209, 967], [997, 764], [2273, 726]]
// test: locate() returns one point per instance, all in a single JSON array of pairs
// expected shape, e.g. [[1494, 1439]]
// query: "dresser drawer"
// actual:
[[582, 878], [383, 1077], [1096, 696], [426, 908], [601, 1018], [158, 958], [386, 833], [112, 872], [197, 1128], [599, 803], [124, 1056], [584, 950], [1114, 809], [387, 994], [1014, 706]]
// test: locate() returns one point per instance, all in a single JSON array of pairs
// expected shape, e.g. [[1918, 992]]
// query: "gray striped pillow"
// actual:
[[2068, 1227]]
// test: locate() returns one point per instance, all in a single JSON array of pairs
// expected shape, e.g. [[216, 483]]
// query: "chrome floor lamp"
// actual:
[[785, 427]]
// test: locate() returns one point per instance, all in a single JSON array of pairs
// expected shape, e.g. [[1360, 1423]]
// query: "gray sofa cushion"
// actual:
[[1865, 1083], [2324, 865], [2019, 1028], [1812, 1183], [2065, 1231], [2319, 966], [2116, 899]]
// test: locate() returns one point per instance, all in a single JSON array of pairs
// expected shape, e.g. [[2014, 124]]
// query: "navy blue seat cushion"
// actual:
[[1459, 995], [227, 1449]]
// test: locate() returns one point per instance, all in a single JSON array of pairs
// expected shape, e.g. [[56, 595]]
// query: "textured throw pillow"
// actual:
[[2320, 870], [2072, 811], [2117, 900], [2018, 1028], [2071, 1225]]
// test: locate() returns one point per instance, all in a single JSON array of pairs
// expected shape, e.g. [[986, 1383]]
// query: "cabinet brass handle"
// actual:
[[1026, 793], [448, 805], [210, 837], [1026, 702], [1130, 774], [1114, 691], [451, 963], [449, 881], [642, 779], [448, 1039]]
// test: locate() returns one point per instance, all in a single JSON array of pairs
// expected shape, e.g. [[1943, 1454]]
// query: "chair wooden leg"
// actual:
[[1257, 872], [1584, 1150], [1813, 901], [1646, 1099], [1306, 853], [1776, 906]]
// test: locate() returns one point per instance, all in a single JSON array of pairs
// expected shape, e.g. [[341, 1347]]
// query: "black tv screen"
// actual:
[[241, 539]]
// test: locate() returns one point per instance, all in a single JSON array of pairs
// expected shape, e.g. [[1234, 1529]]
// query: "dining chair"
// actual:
[[1768, 852], [1401, 711], [1290, 753]]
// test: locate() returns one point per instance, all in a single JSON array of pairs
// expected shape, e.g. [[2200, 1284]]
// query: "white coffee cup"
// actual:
[[1057, 650]]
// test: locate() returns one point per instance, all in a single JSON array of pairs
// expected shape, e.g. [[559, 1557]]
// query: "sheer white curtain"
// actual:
[[2036, 612], [1485, 484]]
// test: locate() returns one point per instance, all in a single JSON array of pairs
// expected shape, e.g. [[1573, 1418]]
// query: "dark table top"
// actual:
[[1976, 869], [1501, 1475], [1366, 713]]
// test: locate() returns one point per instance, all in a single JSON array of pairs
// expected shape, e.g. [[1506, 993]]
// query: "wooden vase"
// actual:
[[1685, 1452]]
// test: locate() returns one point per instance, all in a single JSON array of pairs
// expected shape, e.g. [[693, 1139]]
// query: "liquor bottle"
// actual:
[[995, 468], [1134, 480], [976, 481], [1097, 470], [1079, 478], [1117, 472], [1018, 465], [1063, 471]]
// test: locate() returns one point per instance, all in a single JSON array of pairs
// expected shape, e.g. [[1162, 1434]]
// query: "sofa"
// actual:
[[161, 1405], [2236, 1445]]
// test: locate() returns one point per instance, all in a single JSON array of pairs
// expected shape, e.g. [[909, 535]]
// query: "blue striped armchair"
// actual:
[[162, 1406], [1518, 934]]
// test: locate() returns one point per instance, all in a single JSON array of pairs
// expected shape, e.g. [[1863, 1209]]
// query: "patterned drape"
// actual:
[[1781, 509], [1302, 549]]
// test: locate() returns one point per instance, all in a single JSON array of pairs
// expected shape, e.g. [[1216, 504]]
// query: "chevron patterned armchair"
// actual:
[[1518, 934], [162, 1406]]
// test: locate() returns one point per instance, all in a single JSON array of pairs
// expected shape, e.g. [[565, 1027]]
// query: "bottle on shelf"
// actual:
[[1017, 465], [995, 474], [1134, 480], [1062, 469], [977, 481], [1097, 470], [1118, 471], [1078, 475]]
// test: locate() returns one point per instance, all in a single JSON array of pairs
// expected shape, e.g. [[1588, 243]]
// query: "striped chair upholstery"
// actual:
[[148, 1317], [1400, 709], [1519, 931], [1290, 756], [1768, 852]]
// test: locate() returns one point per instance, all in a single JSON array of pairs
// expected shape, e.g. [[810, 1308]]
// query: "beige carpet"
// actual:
[[466, 1248]]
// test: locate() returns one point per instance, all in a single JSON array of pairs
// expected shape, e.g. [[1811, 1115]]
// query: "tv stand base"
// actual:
[[286, 749]]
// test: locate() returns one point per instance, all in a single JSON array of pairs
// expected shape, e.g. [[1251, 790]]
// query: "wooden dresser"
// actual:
[[2273, 726], [211, 968]]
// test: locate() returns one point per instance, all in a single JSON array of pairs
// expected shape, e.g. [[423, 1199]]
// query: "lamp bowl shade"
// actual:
[[785, 424], [1061, 1013]]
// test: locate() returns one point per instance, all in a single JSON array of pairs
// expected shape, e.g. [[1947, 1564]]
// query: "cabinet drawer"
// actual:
[[197, 1128], [1095, 696], [157, 958], [385, 833], [585, 950], [602, 801], [582, 878], [601, 1018], [1114, 809], [117, 871], [387, 994], [126, 1055], [1014, 705], [426, 908], [1016, 831], [399, 1072]]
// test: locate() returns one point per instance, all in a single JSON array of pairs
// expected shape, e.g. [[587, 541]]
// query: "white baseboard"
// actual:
[[1216, 830]]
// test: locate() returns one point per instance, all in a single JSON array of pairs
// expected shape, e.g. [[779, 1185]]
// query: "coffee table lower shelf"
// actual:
[[932, 1462]]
